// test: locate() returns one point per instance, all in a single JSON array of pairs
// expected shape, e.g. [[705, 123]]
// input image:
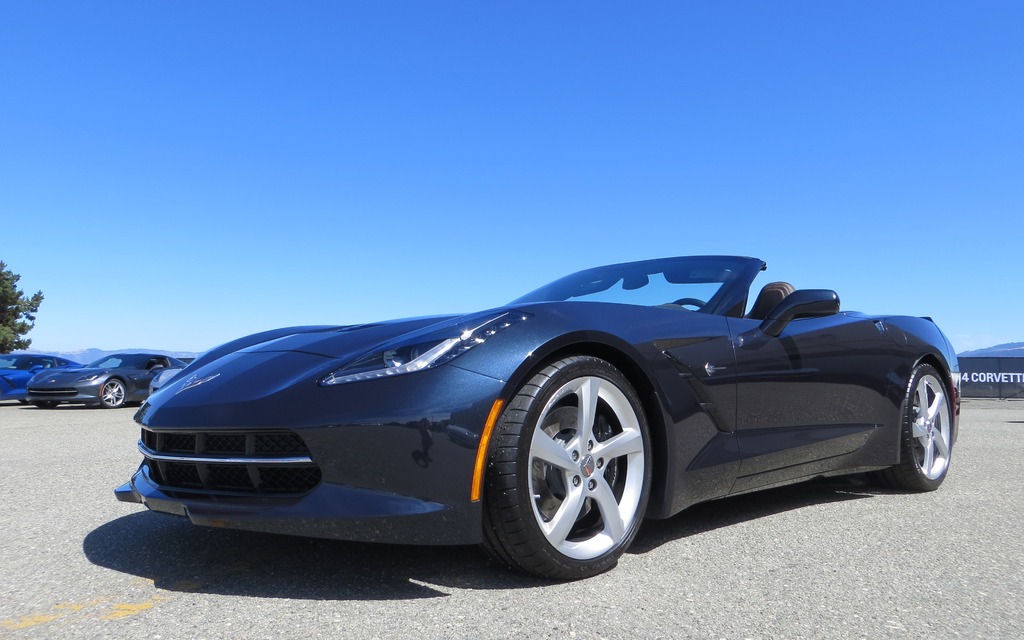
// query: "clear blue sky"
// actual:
[[174, 175]]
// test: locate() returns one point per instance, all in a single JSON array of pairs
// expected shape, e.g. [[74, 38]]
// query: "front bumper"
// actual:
[[82, 393], [393, 458], [329, 511]]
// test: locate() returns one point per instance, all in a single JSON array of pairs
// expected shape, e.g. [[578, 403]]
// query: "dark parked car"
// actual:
[[16, 369], [167, 375], [549, 428], [110, 382]]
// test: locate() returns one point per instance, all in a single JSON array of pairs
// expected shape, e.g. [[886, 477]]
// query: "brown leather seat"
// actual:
[[771, 295]]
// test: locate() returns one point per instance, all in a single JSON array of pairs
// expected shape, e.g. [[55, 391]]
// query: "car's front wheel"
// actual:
[[570, 471], [112, 394], [926, 439]]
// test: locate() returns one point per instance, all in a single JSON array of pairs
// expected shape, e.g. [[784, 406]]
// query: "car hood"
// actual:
[[353, 341], [64, 376], [269, 378]]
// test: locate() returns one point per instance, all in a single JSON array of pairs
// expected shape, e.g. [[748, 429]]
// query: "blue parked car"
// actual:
[[17, 369]]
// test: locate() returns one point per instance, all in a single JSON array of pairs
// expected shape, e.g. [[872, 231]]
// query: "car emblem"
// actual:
[[711, 369], [195, 381], [588, 466]]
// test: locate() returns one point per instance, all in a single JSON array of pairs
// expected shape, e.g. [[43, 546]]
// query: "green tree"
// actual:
[[17, 313]]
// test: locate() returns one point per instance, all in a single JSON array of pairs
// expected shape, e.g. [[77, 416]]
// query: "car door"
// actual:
[[704, 458], [141, 377], [812, 399]]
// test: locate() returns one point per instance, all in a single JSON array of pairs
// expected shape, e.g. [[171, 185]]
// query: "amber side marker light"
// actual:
[[481, 451]]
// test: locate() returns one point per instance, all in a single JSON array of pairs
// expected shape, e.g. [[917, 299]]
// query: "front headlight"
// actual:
[[88, 378], [416, 355]]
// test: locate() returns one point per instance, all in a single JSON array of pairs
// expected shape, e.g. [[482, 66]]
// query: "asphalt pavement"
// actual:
[[834, 558]]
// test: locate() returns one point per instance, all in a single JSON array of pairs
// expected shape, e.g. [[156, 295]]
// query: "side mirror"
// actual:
[[804, 303]]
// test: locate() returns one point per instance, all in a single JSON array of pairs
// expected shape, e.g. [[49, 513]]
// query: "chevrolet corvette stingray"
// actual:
[[110, 382], [16, 369], [548, 429]]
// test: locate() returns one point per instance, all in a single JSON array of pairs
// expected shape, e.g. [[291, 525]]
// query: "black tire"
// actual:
[[563, 502], [45, 404], [113, 394], [926, 436]]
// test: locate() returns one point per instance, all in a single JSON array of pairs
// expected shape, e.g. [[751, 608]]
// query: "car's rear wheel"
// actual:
[[112, 394], [45, 404], [926, 439], [570, 471]]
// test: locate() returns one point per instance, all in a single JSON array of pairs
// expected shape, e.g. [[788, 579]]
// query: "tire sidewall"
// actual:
[[575, 368], [907, 428]]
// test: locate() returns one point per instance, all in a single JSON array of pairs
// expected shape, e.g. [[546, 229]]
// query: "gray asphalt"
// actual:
[[828, 559]]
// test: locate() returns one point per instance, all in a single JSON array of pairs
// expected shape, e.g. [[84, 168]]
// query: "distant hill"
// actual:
[[85, 356], [1008, 350]]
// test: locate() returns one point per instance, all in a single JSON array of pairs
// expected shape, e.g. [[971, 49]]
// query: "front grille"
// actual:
[[225, 444], [252, 462], [286, 443], [177, 443], [228, 476], [181, 474], [252, 443], [53, 392]]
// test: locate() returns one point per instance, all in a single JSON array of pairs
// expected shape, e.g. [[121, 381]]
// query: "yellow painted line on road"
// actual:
[[26, 622], [67, 610], [71, 606], [126, 610]]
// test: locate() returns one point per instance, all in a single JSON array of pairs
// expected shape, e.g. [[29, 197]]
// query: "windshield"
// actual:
[[121, 361], [22, 362], [14, 362], [694, 283]]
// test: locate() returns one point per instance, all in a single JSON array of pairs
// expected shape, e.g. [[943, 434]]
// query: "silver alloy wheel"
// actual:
[[112, 393], [931, 427], [587, 468]]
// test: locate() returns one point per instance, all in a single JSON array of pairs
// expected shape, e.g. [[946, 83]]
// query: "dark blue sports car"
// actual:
[[16, 369], [548, 429]]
